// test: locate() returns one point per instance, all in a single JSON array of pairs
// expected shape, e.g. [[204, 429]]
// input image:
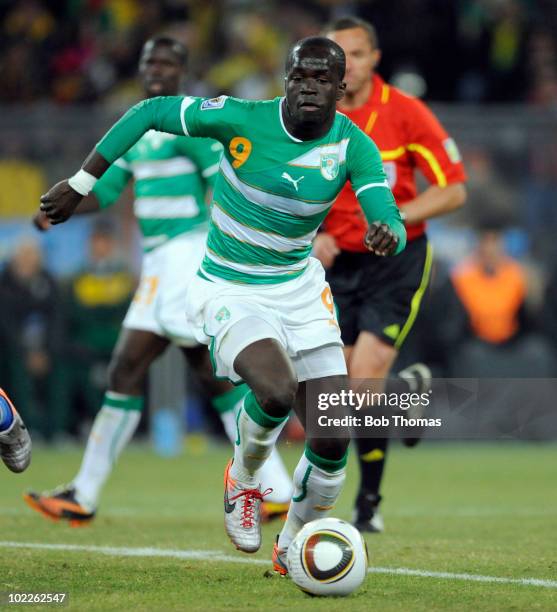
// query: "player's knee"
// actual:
[[331, 448], [277, 397]]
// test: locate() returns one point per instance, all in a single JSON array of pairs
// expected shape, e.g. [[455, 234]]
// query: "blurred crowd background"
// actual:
[[68, 69]]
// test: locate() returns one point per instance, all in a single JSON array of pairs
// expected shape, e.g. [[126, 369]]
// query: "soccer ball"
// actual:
[[328, 557]]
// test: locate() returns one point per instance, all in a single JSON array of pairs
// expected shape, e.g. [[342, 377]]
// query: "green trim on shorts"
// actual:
[[211, 347], [416, 298], [226, 401], [327, 465], [126, 402], [257, 414]]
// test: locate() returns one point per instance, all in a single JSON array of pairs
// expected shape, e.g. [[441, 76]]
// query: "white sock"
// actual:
[[273, 472], [112, 430], [228, 420], [254, 441], [315, 493]]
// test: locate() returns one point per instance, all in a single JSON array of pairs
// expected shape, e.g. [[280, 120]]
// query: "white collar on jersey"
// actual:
[[282, 101]]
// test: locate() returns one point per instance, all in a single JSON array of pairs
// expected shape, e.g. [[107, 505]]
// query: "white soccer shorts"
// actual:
[[159, 303], [299, 314]]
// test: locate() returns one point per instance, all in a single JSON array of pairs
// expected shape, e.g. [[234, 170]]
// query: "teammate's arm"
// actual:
[[205, 154], [437, 157], [108, 188], [386, 234]]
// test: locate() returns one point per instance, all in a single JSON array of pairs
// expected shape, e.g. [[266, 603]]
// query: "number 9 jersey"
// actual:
[[274, 190]]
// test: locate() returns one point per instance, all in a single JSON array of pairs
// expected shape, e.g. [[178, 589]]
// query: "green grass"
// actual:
[[479, 509]]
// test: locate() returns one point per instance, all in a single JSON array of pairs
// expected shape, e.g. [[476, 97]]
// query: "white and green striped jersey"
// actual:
[[171, 174], [273, 190]]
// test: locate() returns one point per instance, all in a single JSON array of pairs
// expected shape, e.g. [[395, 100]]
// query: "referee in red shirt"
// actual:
[[378, 299]]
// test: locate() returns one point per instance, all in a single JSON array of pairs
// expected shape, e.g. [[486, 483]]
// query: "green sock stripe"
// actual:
[[305, 479], [124, 402], [227, 400], [328, 465], [257, 413]]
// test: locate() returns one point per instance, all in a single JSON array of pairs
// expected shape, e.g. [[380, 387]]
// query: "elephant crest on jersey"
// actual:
[[329, 165]]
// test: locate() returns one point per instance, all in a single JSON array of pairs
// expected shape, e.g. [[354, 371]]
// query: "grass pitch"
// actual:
[[485, 510]]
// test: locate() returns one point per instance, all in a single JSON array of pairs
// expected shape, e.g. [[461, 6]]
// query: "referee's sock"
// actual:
[[372, 453]]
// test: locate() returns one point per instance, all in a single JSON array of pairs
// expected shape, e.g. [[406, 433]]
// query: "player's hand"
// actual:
[[380, 239], [59, 202], [325, 249], [40, 221]]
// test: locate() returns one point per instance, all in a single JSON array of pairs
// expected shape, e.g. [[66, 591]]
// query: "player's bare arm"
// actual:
[[161, 114], [89, 204], [60, 202], [434, 202]]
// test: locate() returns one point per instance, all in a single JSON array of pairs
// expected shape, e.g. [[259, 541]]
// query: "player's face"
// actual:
[[361, 57], [313, 87], [160, 71]]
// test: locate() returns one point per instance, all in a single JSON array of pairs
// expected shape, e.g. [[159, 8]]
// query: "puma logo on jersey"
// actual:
[[295, 182]]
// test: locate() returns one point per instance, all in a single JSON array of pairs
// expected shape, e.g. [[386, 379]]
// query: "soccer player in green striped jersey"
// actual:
[[259, 300], [171, 175]]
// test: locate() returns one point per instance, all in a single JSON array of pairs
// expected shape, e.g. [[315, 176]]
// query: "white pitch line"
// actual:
[[405, 571], [215, 555]]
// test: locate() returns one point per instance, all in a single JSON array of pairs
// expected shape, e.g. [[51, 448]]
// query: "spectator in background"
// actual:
[[97, 299], [493, 288], [31, 327]]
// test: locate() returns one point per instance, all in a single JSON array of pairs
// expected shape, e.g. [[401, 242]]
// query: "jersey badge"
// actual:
[[452, 150], [329, 166], [223, 315], [213, 103], [390, 171]]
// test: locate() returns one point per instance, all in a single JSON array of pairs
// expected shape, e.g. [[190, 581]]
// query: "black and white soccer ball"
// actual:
[[328, 557]]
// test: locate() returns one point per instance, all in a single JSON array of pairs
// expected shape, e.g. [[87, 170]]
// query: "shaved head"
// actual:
[[317, 52]]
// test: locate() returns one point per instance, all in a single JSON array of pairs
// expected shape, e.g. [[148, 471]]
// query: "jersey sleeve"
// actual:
[[163, 114], [219, 118], [112, 183], [433, 151], [205, 153], [369, 183]]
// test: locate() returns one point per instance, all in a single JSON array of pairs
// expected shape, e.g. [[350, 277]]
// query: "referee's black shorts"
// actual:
[[380, 295]]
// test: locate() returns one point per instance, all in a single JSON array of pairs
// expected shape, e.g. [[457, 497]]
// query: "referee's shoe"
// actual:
[[418, 377]]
